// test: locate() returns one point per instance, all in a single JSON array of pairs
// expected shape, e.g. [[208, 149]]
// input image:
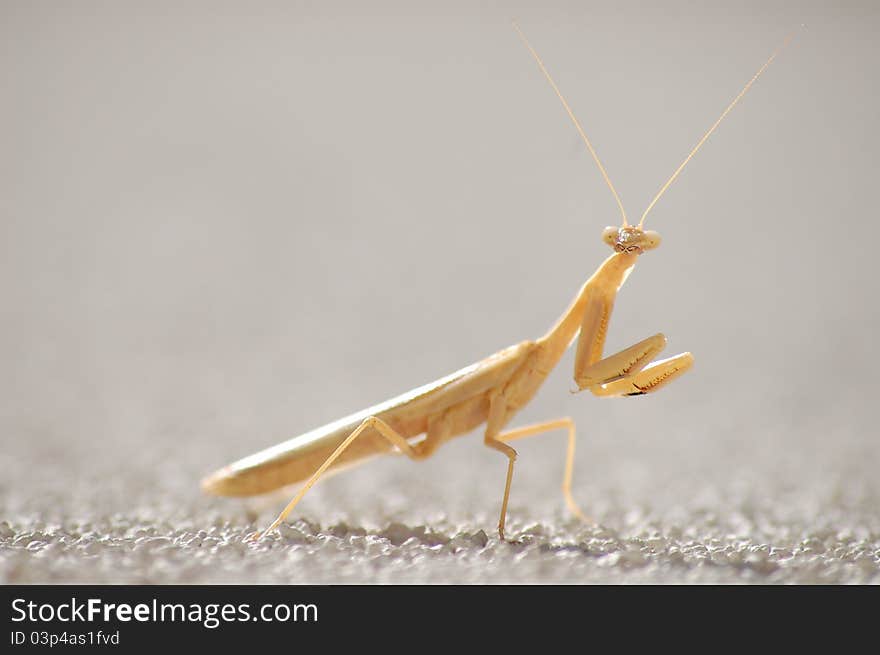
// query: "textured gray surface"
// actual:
[[740, 528], [223, 227]]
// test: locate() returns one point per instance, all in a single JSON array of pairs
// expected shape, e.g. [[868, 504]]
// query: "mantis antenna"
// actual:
[[712, 129], [574, 120]]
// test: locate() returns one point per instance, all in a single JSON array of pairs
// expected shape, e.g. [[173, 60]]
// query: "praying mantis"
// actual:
[[490, 392]]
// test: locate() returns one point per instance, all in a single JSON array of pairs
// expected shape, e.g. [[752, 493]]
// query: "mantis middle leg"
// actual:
[[623, 374]]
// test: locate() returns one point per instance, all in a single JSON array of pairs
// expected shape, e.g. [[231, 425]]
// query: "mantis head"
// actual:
[[627, 238], [630, 239]]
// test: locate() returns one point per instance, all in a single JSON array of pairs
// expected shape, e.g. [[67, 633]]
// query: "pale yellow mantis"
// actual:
[[490, 391]]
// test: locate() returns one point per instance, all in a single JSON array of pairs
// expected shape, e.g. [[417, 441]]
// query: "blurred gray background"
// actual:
[[223, 224]]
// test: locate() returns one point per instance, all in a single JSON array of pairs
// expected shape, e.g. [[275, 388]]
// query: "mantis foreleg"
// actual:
[[628, 372]]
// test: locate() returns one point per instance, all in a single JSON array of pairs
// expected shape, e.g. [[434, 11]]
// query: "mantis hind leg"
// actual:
[[377, 424]]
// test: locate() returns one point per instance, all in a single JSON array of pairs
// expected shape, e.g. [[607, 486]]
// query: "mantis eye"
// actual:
[[609, 235], [651, 239]]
